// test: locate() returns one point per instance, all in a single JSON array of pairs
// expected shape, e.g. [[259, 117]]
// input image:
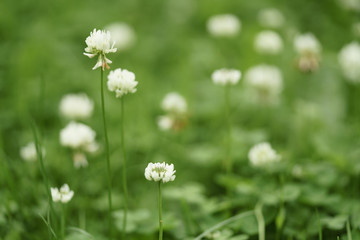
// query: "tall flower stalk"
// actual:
[[160, 214], [228, 161], [124, 169]]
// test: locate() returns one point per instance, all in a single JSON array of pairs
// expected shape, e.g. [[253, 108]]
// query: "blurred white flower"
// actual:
[[174, 103], [77, 136], [262, 154], [224, 25], [226, 76], [349, 59], [99, 43], [271, 17], [122, 34], [165, 122], [76, 106], [267, 81], [307, 44], [160, 172], [28, 152], [64, 195], [121, 82], [268, 42]]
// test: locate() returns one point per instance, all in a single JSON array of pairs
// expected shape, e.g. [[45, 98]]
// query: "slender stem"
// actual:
[[319, 224], [348, 230], [227, 162], [160, 214], [63, 221], [261, 221], [107, 156], [124, 169]]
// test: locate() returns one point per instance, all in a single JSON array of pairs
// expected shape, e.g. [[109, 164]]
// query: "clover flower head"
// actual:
[[99, 43], [122, 34], [262, 154], [307, 44], [174, 103], [165, 122], [226, 76], [64, 195], [28, 152], [265, 78], [77, 136], [76, 106], [271, 18], [121, 81], [268, 42], [224, 25], [160, 172], [349, 60]]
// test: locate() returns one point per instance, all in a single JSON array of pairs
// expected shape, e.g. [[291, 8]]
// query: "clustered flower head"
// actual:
[[226, 76], [175, 107], [267, 81], [121, 81], [99, 43], [271, 17], [64, 195], [76, 106], [160, 172], [309, 49], [349, 60], [28, 152], [268, 42], [262, 154], [122, 34], [224, 25]]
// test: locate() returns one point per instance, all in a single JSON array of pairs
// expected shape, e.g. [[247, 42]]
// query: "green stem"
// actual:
[[228, 163], [348, 230], [319, 224], [260, 220], [107, 156], [63, 221], [160, 214], [124, 169]]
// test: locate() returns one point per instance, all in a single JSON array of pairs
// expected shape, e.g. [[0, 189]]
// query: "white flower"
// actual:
[[226, 76], [225, 25], [174, 103], [99, 43], [121, 82], [28, 152], [262, 154], [160, 172], [349, 59], [76, 106], [63, 195], [271, 17], [268, 42], [307, 44], [122, 34], [165, 122], [77, 136]]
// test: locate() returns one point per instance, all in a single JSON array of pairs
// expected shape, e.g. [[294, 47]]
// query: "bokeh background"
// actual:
[[315, 127]]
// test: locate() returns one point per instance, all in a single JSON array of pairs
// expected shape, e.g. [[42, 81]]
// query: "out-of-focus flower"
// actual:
[[262, 154], [122, 34], [160, 172], [64, 195], [268, 42], [99, 43], [80, 160], [28, 152], [271, 18], [349, 59], [308, 48], [77, 136], [76, 106], [121, 81], [174, 103], [224, 25], [267, 81], [175, 107], [226, 76], [165, 123]]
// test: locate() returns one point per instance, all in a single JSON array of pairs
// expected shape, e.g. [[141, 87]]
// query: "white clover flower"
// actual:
[[165, 123], [349, 60], [64, 195], [268, 42], [121, 82], [76, 106], [77, 136], [28, 152], [307, 44], [262, 154], [122, 34], [174, 103], [224, 25], [271, 17], [160, 172], [99, 43], [226, 76]]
